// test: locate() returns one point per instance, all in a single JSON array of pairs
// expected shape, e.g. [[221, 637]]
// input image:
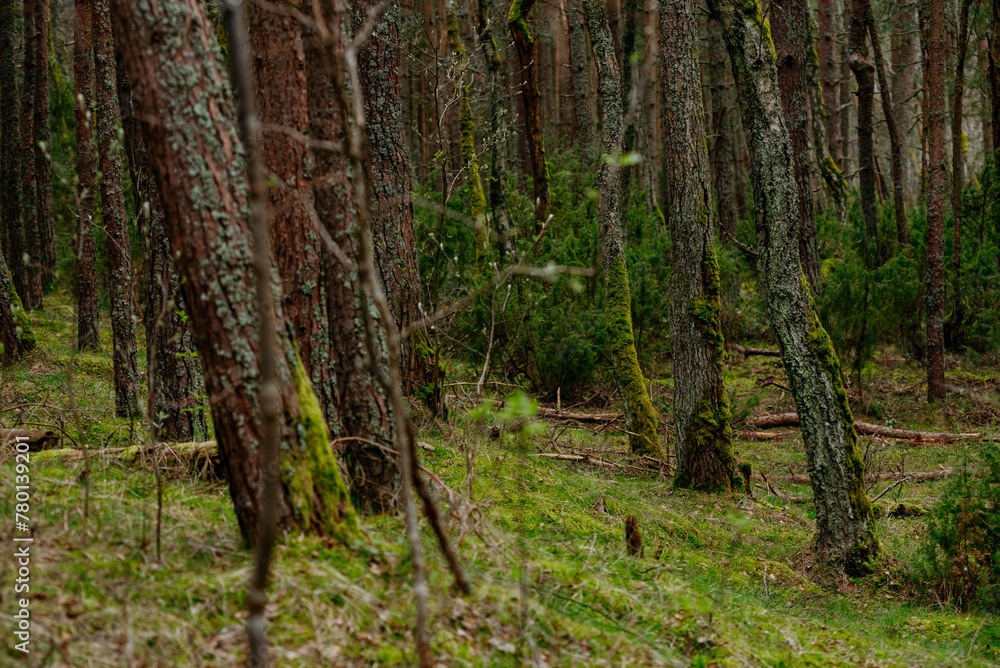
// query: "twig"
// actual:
[[886, 490]]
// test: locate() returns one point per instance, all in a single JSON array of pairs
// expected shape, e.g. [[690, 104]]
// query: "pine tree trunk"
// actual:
[[363, 409], [524, 46], [703, 434], [30, 287], [120, 276], [389, 179], [196, 155], [87, 337], [473, 184], [43, 147], [958, 171], [905, 64], [10, 133], [845, 106], [828, 25], [994, 78], [279, 71], [936, 189], [845, 538], [793, 42], [173, 371], [895, 143], [640, 417], [582, 95], [724, 130], [499, 135], [864, 74]]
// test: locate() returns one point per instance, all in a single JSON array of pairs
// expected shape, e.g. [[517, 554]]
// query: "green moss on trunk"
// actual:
[[639, 412], [319, 497]]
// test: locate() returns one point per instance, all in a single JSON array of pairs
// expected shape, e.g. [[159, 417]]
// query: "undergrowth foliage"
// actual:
[[962, 550]]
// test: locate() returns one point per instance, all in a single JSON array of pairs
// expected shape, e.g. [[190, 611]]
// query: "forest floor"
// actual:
[[724, 580]]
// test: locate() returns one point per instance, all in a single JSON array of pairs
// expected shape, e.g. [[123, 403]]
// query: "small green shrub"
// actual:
[[962, 554]]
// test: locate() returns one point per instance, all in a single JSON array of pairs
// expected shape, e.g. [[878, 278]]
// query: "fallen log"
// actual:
[[759, 435], [792, 420], [801, 479], [38, 439], [763, 352], [580, 417]]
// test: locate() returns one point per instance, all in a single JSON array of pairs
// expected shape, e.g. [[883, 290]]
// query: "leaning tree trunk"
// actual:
[[16, 336], [172, 58], [30, 283], [10, 132], [579, 66], [640, 417], [793, 42], [364, 410], [389, 178], [43, 147], [703, 434], [173, 372], [499, 135], [845, 538], [864, 73], [120, 277], [87, 337], [934, 79], [524, 46]]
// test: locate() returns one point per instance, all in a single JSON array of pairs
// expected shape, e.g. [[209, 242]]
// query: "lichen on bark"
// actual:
[[845, 534]]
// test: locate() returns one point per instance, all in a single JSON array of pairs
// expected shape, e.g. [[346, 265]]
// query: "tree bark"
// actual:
[[724, 130], [45, 219], [640, 417], [703, 434], [172, 58], [173, 371], [364, 411], [87, 337], [30, 287], [499, 135], [279, 79], [120, 277], [473, 184], [934, 77], [793, 43], [828, 25], [864, 74], [582, 95], [895, 144], [845, 538], [958, 169], [905, 65], [994, 78], [389, 178], [524, 46], [10, 135]]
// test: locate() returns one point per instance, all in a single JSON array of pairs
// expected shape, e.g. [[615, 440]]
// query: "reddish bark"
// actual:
[[45, 219], [29, 278], [936, 193], [87, 337]]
